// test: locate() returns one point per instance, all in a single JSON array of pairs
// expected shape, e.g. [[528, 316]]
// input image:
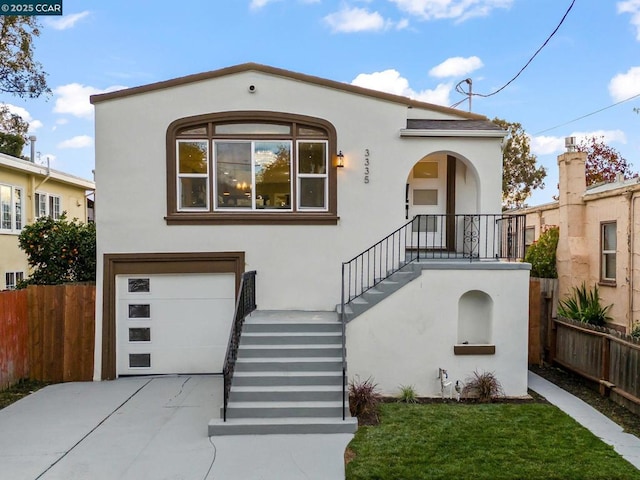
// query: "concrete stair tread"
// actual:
[[313, 346], [285, 360], [284, 404], [291, 334], [289, 373], [289, 388], [289, 420]]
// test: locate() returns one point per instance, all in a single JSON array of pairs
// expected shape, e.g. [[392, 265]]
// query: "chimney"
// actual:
[[32, 157]]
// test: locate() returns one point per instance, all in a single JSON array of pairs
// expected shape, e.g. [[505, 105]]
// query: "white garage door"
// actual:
[[173, 323]]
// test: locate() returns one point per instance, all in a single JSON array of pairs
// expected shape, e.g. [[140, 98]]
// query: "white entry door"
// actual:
[[427, 195], [173, 323]]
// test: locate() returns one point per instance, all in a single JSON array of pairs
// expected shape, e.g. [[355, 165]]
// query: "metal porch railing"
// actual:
[[245, 304]]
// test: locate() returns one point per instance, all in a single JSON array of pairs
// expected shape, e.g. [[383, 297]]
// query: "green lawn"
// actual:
[[490, 441]]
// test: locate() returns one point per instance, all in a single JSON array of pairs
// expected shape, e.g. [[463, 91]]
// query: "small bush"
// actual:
[[408, 394], [542, 254], [364, 397], [584, 305], [482, 386], [635, 333]]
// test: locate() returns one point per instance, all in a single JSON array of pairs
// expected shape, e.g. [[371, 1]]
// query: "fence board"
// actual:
[[61, 320], [14, 335]]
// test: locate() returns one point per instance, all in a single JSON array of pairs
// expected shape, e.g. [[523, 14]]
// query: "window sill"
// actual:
[[607, 283], [261, 218], [474, 349]]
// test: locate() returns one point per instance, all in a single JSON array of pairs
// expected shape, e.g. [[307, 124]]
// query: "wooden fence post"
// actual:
[[604, 371]]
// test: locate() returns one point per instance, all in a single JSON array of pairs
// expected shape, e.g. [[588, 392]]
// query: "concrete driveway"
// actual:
[[149, 428]]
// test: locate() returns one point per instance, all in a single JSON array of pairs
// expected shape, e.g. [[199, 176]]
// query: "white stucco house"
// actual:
[[305, 181]]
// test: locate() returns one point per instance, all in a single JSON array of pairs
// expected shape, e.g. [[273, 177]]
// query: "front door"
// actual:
[[427, 199]]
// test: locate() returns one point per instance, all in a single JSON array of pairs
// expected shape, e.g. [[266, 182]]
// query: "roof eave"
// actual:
[[245, 67], [413, 132]]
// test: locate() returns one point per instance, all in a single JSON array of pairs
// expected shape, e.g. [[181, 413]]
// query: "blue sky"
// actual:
[[416, 48]]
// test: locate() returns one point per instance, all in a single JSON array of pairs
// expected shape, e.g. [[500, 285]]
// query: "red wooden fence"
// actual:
[[14, 336]]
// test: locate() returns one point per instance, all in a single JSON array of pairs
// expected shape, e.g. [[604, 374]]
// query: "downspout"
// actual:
[[44, 180], [632, 207]]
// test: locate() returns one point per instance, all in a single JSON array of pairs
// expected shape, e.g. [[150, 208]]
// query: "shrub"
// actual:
[[542, 254], [635, 333], [363, 397], [482, 386], [59, 251], [584, 305], [408, 394]]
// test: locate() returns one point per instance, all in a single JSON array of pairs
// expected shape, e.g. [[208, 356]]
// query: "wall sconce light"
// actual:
[[340, 159]]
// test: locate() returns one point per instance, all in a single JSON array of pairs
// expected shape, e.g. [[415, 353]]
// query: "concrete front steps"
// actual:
[[382, 290], [288, 377]]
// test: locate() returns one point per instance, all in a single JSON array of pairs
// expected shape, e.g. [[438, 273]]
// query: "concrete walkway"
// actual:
[[149, 428], [625, 444]]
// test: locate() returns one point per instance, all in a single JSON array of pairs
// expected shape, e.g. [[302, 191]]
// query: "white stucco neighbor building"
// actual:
[[255, 168]]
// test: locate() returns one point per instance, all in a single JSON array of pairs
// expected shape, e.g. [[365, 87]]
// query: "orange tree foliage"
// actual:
[[59, 251], [604, 163]]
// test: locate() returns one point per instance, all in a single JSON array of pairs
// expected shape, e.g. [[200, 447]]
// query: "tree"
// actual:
[[520, 173], [13, 132], [59, 251], [604, 163], [542, 254], [20, 74]]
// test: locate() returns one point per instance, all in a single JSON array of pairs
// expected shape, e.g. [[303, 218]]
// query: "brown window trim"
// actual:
[[153, 263], [175, 217]]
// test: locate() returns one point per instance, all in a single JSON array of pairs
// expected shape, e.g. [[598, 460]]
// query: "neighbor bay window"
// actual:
[[251, 167]]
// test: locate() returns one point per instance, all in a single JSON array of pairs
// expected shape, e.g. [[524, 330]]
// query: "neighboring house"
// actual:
[[29, 191], [599, 241], [211, 175]]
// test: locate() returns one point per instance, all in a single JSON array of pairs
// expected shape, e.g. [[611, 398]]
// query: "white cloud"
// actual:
[[632, 7], [402, 24], [73, 98], [67, 21], [456, 66], [35, 125], [625, 85], [355, 19], [547, 145], [80, 141], [460, 10], [390, 81], [258, 4], [47, 157]]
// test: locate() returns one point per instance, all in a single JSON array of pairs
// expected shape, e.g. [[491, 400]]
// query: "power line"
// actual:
[[588, 114], [470, 94]]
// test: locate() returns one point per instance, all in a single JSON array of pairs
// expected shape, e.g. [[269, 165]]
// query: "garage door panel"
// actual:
[[181, 325]]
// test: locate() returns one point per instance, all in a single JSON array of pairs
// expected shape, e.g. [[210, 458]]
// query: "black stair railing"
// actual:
[[245, 304]]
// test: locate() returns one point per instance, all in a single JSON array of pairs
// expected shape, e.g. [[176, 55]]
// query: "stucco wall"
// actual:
[[619, 206], [405, 338], [73, 201], [298, 266]]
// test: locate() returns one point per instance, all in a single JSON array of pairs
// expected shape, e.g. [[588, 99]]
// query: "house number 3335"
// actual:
[[367, 165]]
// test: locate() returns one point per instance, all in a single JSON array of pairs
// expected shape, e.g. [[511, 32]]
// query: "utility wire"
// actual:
[[588, 114], [526, 65]]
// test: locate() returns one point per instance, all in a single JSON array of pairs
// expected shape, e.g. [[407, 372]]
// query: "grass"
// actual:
[[18, 391], [481, 441]]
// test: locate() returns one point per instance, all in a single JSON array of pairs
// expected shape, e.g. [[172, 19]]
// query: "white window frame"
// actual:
[[16, 209], [180, 176], [324, 175], [607, 253], [11, 279], [252, 142], [48, 205]]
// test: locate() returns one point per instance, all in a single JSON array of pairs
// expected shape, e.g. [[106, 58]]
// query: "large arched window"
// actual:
[[251, 167]]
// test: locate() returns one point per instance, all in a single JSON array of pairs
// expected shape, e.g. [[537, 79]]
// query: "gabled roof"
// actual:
[[17, 164], [256, 67]]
